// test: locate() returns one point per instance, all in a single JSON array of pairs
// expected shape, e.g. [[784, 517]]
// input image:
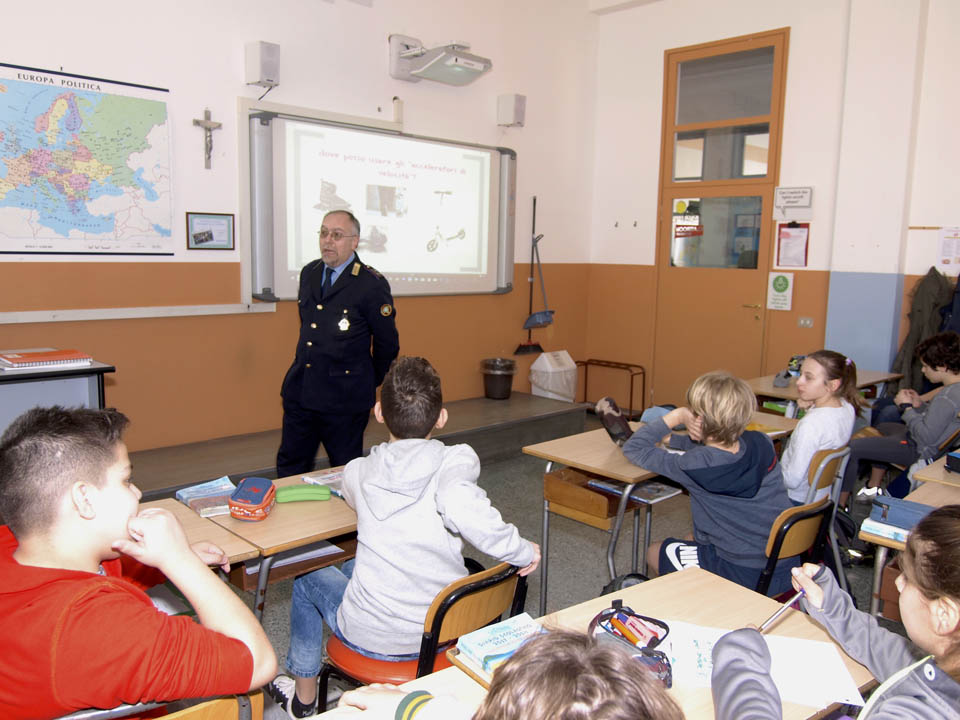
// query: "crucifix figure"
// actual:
[[208, 127]]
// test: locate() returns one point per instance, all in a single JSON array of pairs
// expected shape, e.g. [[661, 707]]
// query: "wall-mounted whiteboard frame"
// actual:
[[258, 202]]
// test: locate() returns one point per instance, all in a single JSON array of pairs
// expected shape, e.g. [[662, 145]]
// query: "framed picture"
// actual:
[[210, 231]]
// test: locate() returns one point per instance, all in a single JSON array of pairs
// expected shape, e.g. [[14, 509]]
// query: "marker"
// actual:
[[773, 618], [625, 631]]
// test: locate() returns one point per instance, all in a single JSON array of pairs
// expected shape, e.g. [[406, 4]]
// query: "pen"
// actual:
[[773, 618]]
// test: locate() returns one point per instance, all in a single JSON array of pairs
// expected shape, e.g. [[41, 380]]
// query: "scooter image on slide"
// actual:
[[434, 242]]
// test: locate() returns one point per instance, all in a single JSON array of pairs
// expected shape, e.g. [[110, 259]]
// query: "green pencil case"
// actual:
[[300, 493]]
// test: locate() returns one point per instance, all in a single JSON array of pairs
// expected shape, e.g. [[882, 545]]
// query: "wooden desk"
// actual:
[[693, 595], [937, 472], [292, 525], [763, 386], [699, 597], [936, 494], [449, 681], [594, 452], [199, 528]]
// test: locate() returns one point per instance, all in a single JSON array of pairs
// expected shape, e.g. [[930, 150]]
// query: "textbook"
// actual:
[[43, 359], [208, 499], [490, 646], [880, 529], [647, 493]]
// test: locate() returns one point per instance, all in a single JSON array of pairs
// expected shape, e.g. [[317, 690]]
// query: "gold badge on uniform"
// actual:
[[386, 310], [344, 325], [355, 270]]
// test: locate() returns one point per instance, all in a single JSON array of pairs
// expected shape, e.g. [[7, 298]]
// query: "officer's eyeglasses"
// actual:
[[337, 234]]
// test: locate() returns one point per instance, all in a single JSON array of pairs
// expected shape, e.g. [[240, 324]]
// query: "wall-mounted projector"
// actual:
[[450, 64]]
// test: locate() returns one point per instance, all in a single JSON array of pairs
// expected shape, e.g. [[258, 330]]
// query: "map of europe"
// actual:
[[84, 166]]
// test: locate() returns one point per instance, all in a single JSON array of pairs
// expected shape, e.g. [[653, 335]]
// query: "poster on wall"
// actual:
[[948, 249], [792, 242], [84, 165], [780, 291]]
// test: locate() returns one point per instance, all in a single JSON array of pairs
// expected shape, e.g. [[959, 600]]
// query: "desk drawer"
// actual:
[[568, 487]]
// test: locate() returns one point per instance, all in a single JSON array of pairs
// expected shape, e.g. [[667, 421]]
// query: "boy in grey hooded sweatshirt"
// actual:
[[416, 500]]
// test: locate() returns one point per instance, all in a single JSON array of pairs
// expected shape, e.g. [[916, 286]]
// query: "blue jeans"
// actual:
[[316, 598]]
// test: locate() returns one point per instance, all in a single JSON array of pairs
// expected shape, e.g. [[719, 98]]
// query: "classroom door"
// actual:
[[712, 260]]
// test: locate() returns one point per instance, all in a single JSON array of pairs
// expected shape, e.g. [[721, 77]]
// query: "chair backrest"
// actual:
[[823, 469], [949, 442], [468, 604], [240, 707], [796, 530]]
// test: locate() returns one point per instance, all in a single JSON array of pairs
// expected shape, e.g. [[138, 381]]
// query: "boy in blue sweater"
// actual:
[[733, 477]]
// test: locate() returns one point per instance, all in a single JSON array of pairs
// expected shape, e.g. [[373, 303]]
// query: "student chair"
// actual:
[[239, 707], [796, 530], [826, 471], [461, 607]]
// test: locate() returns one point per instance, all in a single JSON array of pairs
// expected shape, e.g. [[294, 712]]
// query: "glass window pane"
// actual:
[[721, 153], [716, 232], [724, 87]]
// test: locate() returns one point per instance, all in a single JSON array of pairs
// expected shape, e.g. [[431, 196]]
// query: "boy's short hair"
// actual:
[[410, 398], [564, 675], [941, 350], [726, 404], [44, 451]]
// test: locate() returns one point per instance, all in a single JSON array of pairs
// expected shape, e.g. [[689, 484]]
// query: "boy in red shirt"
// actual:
[[77, 634]]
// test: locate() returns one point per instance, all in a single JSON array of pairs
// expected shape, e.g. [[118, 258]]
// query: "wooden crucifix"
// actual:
[[208, 126]]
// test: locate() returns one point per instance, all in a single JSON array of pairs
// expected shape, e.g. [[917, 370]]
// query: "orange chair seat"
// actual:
[[367, 670]]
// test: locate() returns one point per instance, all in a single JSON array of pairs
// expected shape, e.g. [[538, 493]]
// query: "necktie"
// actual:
[[327, 281]]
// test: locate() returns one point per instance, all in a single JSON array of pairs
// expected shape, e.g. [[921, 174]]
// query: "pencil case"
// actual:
[[298, 493], [638, 634], [900, 513], [253, 499]]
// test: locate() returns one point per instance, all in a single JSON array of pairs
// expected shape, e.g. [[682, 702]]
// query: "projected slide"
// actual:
[[426, 209]]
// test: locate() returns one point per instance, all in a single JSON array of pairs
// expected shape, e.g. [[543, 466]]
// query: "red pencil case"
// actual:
[[253, 499]]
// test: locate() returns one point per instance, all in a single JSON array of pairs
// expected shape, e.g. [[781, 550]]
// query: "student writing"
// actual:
[[917, 681]]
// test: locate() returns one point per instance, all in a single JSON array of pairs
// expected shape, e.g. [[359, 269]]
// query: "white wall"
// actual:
[[935, 191], [334, 57]]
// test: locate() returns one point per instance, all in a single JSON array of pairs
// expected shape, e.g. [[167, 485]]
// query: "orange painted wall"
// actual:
[[186, 379]]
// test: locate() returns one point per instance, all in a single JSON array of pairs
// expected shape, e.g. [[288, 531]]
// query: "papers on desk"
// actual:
[[288, 557], [824, 680]]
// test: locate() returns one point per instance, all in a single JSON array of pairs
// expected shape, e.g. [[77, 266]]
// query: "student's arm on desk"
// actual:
[[741, 684], [641, 449], [156, 539]]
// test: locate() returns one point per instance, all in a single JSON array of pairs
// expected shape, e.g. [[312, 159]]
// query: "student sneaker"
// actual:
[[283, 691], [613, 420], [867, 494]]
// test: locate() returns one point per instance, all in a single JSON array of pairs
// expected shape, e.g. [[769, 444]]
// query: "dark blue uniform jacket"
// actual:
[[337, 368]]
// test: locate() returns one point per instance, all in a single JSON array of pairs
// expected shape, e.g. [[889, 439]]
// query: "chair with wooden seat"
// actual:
[[238, 707], [826, 471], [461, 607], [797, 530]]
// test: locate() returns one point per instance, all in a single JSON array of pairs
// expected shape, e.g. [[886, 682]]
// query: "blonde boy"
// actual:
[[733, 477]]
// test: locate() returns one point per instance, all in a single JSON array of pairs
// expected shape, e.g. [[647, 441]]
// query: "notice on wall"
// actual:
[[780, 291], [948, 248], [792, 244]]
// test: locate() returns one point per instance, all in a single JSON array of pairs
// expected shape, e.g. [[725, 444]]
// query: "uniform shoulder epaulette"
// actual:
[[374, 271]]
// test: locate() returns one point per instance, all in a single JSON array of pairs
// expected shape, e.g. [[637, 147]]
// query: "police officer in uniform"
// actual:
[[331, 386]]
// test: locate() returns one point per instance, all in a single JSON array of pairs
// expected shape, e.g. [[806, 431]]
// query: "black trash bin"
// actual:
[[498, 377]]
